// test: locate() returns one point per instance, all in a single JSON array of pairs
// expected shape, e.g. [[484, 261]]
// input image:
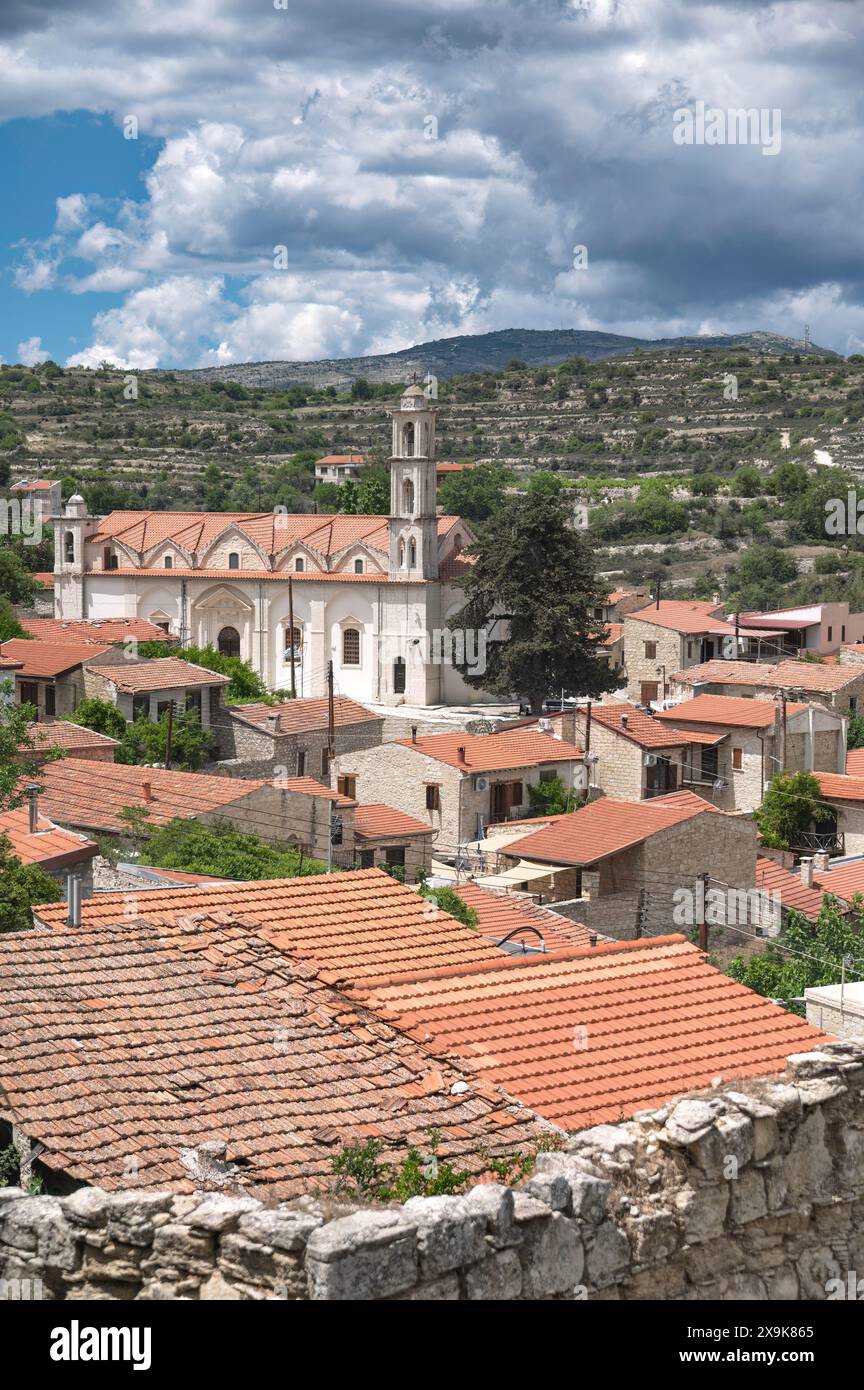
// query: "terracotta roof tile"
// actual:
[[90, 794], [163, 673], [50, 847], [376, 821], [49, 659], [494, 752], [631, 723], [843, 880], [500, 913], [726, 710], [306, 716], [61, 733], [98, 630], [594, 1037], [605, 827], [785, 675], [120, 1045], [855, 762], [837, 786], [772, 877]]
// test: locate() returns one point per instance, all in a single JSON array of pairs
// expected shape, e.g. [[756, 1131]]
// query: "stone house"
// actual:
[[633, 756], [150, 688], [50, 675], [458, 783], [734, 771], [838, 686], [845, 795], [821, 628], [620, 864], [671, 636], [74, 741], [291, 739]]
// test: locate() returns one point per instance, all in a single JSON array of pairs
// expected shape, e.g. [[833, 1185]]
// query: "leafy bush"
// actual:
[[448, 900], [224, 852]]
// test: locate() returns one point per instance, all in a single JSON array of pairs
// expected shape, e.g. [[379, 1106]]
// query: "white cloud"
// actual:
[[71, 212], [31, 352]]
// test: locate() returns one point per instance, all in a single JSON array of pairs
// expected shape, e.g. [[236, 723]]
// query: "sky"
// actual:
[[200, 182]]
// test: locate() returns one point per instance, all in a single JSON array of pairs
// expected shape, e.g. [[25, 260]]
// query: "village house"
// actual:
[[45, 495], [338, 468], [458, 783], [844, 795], [617, 864], [836, 686], [820, 628], [105, 632], [632, 756], [365, 593], [260, 740], [50, 675], [73, 740], [672, 635], [150, 688], [34, 839], [754, 745]]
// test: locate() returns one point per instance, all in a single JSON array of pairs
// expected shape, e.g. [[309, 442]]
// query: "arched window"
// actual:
[[228, 641], [408, 496], [351, 647], [401, 554], [457, 546], [233, 560], [358, 566], [412, 554], [69, 547], [299, 565], [399, 676], [408, 440], [169, 562], [298, 643]]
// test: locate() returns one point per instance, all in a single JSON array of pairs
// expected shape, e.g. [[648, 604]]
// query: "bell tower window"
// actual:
[[408, 440], [234, 560], [68, 547], [412, 554], [408, 496]]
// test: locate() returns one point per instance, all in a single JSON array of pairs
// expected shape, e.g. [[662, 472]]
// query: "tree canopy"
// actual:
[[806, 954], [791, 806], [22, 886], [223, 851]]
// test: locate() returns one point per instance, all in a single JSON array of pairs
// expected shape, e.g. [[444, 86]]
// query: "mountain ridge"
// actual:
[[478, 352]]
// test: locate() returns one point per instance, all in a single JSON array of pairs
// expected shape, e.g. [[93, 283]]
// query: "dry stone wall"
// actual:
[[751, 1190]]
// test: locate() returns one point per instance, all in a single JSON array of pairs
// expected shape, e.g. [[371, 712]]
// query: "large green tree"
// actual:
[[475, 493], [533, 590], [791, 806], [16, 763], [101, 716], [806, 955], [223, 851]]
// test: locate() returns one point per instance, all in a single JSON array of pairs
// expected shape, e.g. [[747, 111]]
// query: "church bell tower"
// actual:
[[413, 516]]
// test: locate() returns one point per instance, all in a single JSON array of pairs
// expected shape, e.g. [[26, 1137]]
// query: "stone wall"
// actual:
[[750, 1190]]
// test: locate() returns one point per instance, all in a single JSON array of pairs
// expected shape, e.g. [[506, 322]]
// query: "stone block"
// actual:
[[498, 1277], [283, 1229], [552, 1257], [449, 1234], [369, 1255]]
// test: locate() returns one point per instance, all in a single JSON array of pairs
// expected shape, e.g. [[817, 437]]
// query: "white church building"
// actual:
[[370, 594]]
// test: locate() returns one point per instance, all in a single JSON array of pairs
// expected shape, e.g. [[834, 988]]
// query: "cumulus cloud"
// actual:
[[31, 352], [430, 165]]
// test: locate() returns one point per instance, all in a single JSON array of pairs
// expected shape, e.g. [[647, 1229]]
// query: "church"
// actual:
[[370, 594]]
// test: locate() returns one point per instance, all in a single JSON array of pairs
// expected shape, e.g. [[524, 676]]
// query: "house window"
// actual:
[[351, 647], [395, 854], [433, 797], [301, 762], [709, 764], [109, 559], [408, 496], [651, 651], [234, 560], [69, 547], [29, 695], [401, 554], [228, 641], [50, 701], [168, 562], [737, 759], [299, 565], [830, 633], [358, 566], [548, 774], [399, 676], [325, 762], [166, 627], [140, 706], [648, 692], [297, 643], [367, 859], [346, 784], [843, 633], [193, 702], [689, 650], [853, 703], [163, 707]]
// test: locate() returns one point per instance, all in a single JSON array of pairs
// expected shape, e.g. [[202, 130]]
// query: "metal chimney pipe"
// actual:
[[32, 791], [73, 900]]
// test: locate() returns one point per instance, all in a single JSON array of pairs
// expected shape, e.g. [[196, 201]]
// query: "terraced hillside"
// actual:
[[685, 457]]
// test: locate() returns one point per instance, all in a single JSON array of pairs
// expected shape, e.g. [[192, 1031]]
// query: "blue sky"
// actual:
[[428, 166]]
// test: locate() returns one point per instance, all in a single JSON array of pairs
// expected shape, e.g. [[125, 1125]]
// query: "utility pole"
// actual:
[[331, 734], [657, 583], [170, 734], [291, 636], [781, 732], [641, 914], [701, 894]]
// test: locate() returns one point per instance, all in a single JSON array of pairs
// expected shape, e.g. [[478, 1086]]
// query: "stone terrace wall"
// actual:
[[747, 1191]]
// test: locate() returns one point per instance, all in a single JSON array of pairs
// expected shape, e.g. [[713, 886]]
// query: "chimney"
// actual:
[[272, 723], [821, 862], [807, 872], [593, 938], [413, 733], [460, 754], [73, 900], [33, 793], [147, 791], [624, 720]]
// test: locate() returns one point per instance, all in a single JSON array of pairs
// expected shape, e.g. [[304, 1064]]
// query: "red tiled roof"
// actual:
[[341, 458], [640, 728], [693, 617], [307, 786], [855, 762], [37, 485], [359, 926], [45, 578], [594, 1037], [376, 821], [500, 913], [99, 630], [49, 659], [144, 1041], [844, 881], [90, 794], [837, 786], [48, 847], [730, 710], [494, 752], [614, 633], [9, 663], [772, 877], [163, 673], [453, 467], [62, 733], [605, 827], [306, 716], [785, 675]]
